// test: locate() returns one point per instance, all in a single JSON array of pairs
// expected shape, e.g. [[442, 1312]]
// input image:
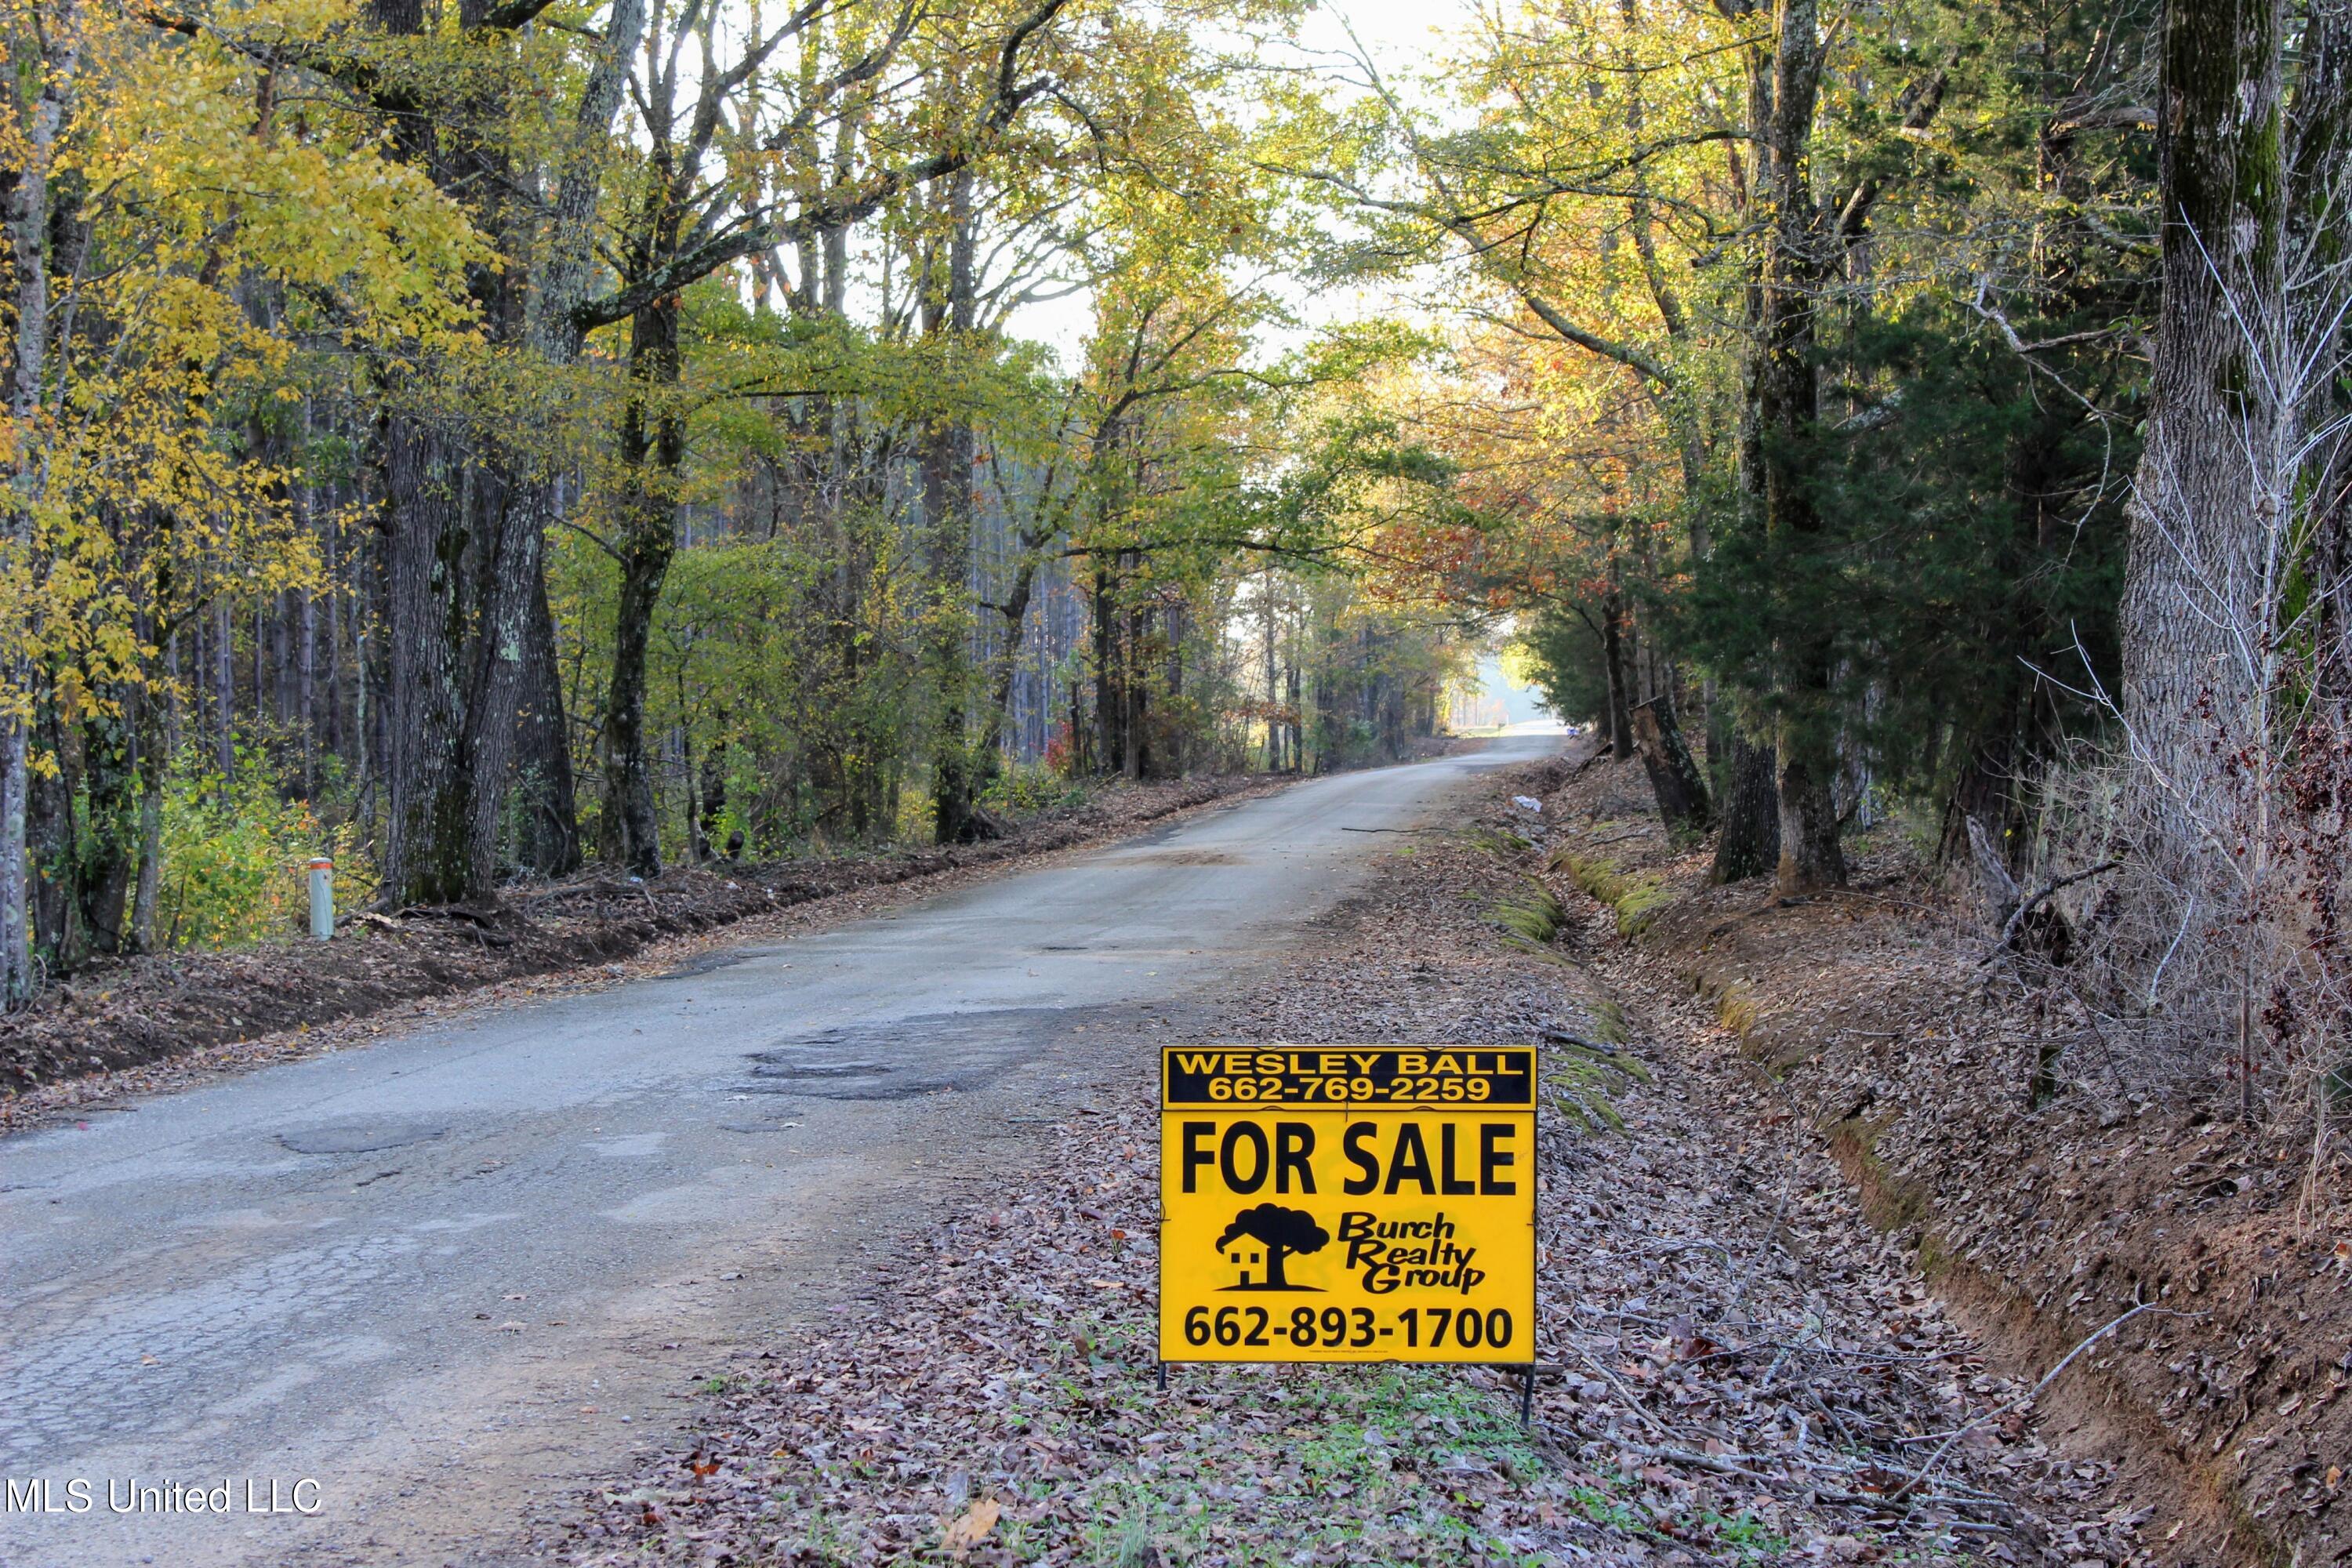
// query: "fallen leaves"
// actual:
[[972, 1528]]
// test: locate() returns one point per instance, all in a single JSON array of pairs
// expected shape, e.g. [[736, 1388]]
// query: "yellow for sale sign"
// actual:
[[1347, 1203]]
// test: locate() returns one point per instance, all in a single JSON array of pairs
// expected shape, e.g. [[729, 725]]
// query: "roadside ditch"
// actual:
[[2175, 1284]]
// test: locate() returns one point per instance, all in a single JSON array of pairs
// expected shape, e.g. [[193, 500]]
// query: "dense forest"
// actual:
[[475, 442]]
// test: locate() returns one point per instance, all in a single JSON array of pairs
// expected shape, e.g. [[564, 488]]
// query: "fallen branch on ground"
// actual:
[[2017, 917], [2028, 1397], [1744, 1466]]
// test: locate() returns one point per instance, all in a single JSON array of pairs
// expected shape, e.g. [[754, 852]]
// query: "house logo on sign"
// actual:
[[1279, 1235]]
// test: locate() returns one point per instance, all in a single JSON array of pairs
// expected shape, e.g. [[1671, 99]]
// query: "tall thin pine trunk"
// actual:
[[948, 460]]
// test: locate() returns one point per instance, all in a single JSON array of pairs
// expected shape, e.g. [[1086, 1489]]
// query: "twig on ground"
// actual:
[[1745, 1464], [1956, 1433], [1632, 1400]]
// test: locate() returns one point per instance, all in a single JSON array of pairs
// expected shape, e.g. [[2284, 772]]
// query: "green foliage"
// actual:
[[1027, 787], [1368, 1424], [1564, 660], [1502, 843], [1971, 531], [236, 852], [1580, 1089]]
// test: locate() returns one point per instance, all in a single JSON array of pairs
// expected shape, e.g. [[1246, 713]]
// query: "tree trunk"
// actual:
[[1297, 748], [464, 551], [434, 571], [51, 834], [154, 758], [2322, 128], [429, 582], [1015, 611], [305, 716], [106, 853], [1110, 675], [631, 827], [332, 735], [947, 461], [222, 674], [49, 55], [653, 449], [1675, 776], [2198, 586], [1812, 855], [710, 804], [1265, 614], [550, 831], [1134, 690], [521, 677], [1787, 404], [1612, 650], [1749, 844]]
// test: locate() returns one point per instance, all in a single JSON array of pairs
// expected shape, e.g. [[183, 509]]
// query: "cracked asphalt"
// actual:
[[454, 1276]]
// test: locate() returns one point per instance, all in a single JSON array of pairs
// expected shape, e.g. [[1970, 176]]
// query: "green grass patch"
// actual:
[[1635, 898], [1533, 915], [1745, 1538], [1360, 1463], [1582, 1083], [1503, 846], [1581, 1091]]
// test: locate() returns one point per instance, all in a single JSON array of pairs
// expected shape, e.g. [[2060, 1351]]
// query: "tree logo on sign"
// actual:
[[1279, 1233]]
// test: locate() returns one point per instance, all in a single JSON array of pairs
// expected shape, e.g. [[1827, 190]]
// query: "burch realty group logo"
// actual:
[[1389, 1254], [81, 1494]]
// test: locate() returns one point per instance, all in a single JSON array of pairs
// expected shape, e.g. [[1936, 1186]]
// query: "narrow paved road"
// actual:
[[454, 1275]]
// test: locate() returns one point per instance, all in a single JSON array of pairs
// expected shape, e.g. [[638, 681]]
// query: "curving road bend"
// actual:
[[452, 1277]]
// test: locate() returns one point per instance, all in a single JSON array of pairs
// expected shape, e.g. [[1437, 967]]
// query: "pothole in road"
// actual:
[[1179, 858], [819, 1070], [361, 1137], [709, 962], [908, 1056], [901, 1058]]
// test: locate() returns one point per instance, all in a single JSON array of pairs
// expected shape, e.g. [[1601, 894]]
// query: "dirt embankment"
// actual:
[[2197, 1273], [126, 1014]]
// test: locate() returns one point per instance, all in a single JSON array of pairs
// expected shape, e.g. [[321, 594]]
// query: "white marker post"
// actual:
[[322, 898]]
